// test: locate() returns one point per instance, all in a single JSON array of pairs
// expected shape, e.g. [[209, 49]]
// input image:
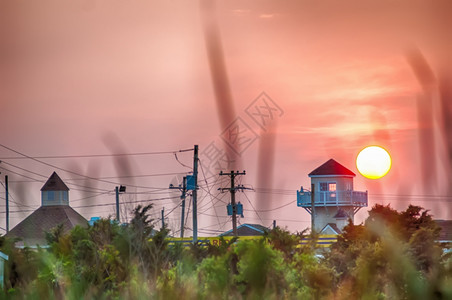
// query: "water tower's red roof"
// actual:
[[331, 167]]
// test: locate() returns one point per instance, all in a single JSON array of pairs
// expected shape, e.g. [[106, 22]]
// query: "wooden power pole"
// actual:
[[7, 203], [195, 196], [183, 190], [312, 208], [232, 190]]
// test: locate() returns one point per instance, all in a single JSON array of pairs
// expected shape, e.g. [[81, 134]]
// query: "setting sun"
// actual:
[[373, 162]]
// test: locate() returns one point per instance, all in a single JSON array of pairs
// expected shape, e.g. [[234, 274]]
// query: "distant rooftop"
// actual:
[[330, 228], [446, 230], [33, 228], [54, 183], [247, 230], [331, 167]]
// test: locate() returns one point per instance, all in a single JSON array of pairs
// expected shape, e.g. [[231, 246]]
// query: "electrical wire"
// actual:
[[72, 172], [254, 209], [93, 155], [177, 159], [167, 214], [14, 200], [273, 209], [89, 197], [104, 204], [41, 175], [188, 210], [208, 188], [16, 173]]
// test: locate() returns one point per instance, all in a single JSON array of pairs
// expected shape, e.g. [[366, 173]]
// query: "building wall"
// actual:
[[341, 223], [342, 183], [49, 198], [325, 215]]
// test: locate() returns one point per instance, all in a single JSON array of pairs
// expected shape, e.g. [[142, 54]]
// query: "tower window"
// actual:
[[332, 186], [327, 186], [50, 195]]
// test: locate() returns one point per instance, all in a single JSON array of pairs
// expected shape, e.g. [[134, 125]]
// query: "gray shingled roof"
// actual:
[[32, 229], [54, 183], [247, 230], [446, 230], [331, 167]]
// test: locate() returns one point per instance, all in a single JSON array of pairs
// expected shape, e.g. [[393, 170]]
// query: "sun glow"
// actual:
[[373, 162]]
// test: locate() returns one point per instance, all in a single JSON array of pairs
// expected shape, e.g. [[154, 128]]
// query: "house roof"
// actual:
[[3, 256], [446, 230], [247, 230], [32, 229], [330, 228], [54, 183], [331, 167]]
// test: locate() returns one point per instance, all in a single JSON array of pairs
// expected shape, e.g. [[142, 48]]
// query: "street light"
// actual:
[[120, 189]]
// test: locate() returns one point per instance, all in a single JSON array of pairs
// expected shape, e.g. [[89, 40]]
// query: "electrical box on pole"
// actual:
[[191, 182], [239, 209]]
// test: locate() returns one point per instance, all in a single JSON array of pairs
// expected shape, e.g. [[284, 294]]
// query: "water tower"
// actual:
[[334, 201]]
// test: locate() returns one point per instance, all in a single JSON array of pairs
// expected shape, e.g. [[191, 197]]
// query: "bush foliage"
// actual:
[[393, 255]]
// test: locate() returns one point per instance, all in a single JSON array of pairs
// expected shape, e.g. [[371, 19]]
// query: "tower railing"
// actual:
[[336, 198]]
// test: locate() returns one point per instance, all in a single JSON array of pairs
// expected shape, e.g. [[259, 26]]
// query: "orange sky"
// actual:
[[94, 77]]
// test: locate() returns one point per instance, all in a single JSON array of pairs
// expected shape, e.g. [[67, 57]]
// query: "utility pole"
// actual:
[[182, 218], [195, 196], [120, 189], [117, 204], [7, 203], [232, 190], [183, 189], [163, 218], [312, 208]]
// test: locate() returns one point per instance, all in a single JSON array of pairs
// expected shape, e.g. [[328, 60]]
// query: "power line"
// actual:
[[215, 203], [284, 220], [218, 224], [292, 192], [12, 198], [76, 173], [18, 211], [215, 176], [104, 204], [167, 214], [90, 155], [134, 176], [273, 209], [37, 174], [222, 179], [16, 173], [213, 216], [127, 202], [88, 197], [254, 209], [177, 159], [208, 189], [188, 212]]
